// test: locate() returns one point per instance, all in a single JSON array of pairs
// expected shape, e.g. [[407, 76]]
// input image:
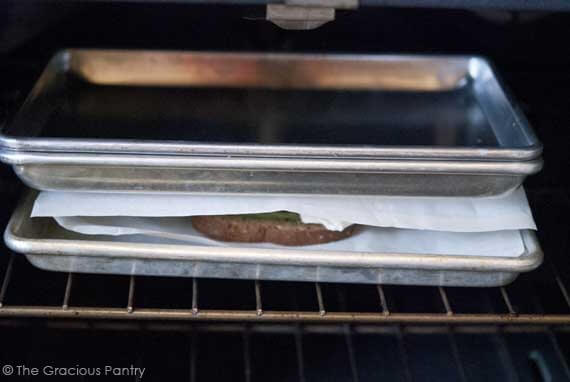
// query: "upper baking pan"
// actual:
[[235, 122]]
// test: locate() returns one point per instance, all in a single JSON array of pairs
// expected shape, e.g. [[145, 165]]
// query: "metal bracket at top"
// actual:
[[338, 4], [306, 14]]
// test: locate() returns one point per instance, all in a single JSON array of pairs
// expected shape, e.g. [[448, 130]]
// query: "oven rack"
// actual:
[[255, 307]]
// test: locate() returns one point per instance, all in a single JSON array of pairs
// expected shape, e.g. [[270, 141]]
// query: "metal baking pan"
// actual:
[[50, 247], [101, 120]]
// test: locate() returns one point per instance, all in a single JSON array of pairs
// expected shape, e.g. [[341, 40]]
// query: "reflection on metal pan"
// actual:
[[330, 114]]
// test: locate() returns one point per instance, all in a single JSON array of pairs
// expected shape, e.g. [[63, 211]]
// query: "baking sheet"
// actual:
[[50, 247], [205, 103], [151, 121]]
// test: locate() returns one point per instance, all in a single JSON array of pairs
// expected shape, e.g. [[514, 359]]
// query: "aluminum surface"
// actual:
[[145, 179], [50, 247], [225, 122]]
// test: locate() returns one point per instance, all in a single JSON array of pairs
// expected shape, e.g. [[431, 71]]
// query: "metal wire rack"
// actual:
[[514, 342], [252, 308]]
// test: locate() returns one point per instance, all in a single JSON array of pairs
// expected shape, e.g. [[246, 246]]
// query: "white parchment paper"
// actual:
[[509, 212], [504, 243], [440, 226]]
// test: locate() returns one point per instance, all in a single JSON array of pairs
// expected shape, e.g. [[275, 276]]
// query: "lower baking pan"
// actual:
[[50, 247]]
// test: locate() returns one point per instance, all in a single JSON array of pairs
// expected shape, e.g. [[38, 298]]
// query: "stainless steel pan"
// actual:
[[50, 247], [100, 120]]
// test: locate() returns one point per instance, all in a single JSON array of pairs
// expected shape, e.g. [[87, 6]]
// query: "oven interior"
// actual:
[[208, 329]]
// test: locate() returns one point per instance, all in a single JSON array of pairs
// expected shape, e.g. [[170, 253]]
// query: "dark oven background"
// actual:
[[531, 53]]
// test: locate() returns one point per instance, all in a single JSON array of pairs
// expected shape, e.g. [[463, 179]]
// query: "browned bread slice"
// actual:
[[239, 228]]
